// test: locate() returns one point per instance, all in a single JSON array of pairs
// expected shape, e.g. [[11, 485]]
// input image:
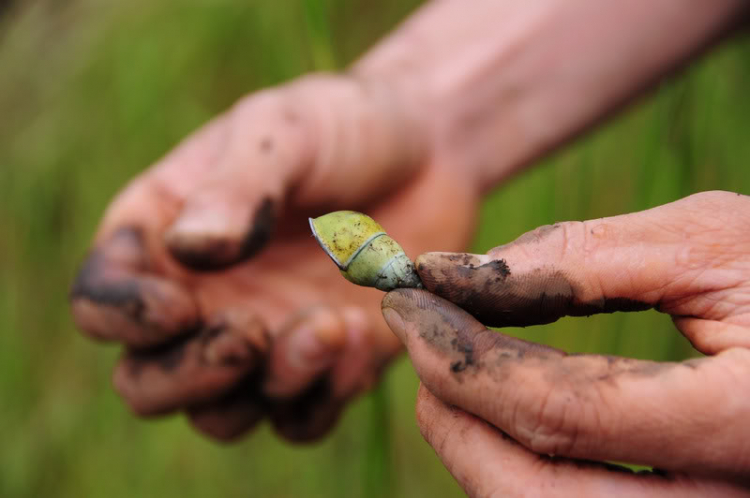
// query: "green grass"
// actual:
[[92, 92]]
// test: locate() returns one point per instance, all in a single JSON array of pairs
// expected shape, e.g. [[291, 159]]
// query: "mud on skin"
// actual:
[[92, 283], [233, 414], [498, 297], [453, 333], [114, 297], [308, 416], [192, 368], [217, 343], [469, 348], [218, 254]]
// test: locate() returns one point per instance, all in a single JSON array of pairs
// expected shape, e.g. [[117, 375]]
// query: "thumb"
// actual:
[[675, 257], [303, 145]]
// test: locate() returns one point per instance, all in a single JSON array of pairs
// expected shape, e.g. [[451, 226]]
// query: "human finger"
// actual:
[[115, 297], [676, 416], [310, 384], [487, 462], [688, 258], [196, 368], [306, 348], [233, 414], [214, 201], [307, 137]]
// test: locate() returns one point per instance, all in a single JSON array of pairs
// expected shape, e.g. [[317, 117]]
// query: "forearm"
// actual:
[[503, 82]]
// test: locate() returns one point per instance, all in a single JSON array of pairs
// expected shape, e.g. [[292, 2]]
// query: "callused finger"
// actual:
[[676, 416], [115, 298], [196, 369]]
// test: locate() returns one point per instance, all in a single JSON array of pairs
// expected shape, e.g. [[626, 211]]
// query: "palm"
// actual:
[[292, 273], [134, 289]]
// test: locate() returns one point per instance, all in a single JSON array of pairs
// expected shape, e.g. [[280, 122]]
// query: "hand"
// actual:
[[205, 269], [509, 418]]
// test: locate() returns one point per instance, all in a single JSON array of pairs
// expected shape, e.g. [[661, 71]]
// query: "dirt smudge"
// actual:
[[499, 297], [219, 253]]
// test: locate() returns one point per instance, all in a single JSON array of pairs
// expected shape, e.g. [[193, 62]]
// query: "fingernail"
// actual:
[[395, 322], [199, 224], [218, 235], [203, 238]]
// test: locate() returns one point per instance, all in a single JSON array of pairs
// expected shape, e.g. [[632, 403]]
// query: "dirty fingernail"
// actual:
[[114, 297], [140, 310], [219, 235], [195, 370]]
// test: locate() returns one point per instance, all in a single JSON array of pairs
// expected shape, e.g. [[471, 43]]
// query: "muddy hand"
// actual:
[[204, 269], [510, 417]]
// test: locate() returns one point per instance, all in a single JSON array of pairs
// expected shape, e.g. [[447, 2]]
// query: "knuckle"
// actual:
[[714, 198], [273, 123], [315, 81], [264, 101], [551, 243], [550, 424], [572, 239], [275, 108], [717, 211], [285, 102]]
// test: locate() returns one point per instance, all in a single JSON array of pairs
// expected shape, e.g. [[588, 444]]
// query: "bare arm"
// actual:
[[512, 80], [203, 267]]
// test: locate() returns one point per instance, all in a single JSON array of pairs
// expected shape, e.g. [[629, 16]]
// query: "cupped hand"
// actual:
[[512, 418], [204, 267]]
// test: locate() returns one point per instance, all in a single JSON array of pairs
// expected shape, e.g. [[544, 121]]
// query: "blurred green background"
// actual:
[[92, 91]]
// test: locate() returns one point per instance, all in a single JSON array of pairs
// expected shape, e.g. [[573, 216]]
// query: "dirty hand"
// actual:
[[509, 418], [204, 267]]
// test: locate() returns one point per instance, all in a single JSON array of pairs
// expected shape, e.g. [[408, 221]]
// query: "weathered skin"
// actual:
[[210, 232], [690, 259], [449, 105]]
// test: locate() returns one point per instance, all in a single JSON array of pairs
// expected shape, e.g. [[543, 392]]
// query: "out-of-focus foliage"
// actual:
[[93, 91]]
